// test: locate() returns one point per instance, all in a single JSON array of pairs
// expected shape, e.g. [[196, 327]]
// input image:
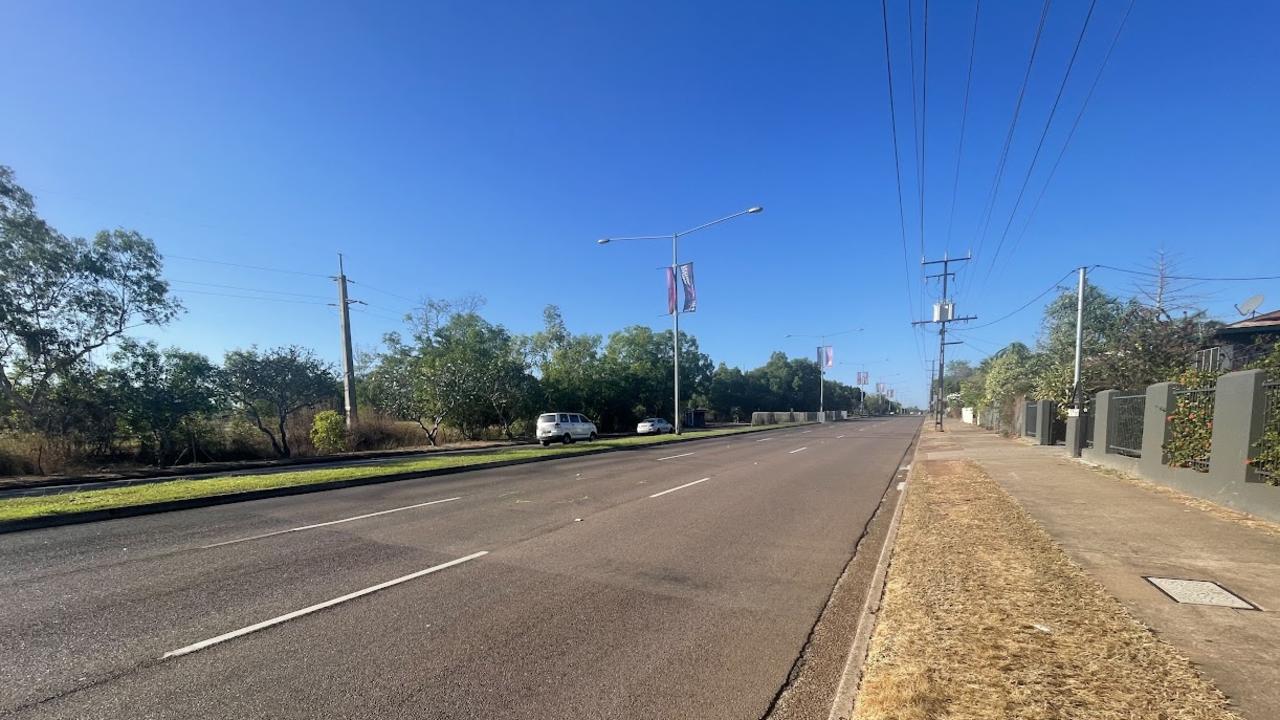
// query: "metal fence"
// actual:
[[1198, 403], [1124, 436], [1029, 428], [1271, 430], [1086, 423]]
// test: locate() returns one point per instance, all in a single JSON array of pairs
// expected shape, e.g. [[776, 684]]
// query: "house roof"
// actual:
[[1264, 323]]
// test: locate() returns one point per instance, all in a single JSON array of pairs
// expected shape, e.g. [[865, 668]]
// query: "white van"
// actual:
[[565, 427]]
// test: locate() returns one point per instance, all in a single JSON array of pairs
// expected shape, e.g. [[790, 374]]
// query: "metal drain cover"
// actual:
[[1200, 592]]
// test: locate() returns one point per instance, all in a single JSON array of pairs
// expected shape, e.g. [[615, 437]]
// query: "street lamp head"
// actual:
[[755, 210], [602, 241]]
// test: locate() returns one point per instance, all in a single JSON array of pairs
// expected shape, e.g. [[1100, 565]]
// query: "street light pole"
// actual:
[[675, 336], [675, 315]]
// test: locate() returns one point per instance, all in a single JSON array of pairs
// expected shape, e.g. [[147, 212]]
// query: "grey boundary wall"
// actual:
[[1238, 418]]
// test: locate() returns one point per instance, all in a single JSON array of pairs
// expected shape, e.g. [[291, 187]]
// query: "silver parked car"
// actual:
[[654, 426], [565, 427]]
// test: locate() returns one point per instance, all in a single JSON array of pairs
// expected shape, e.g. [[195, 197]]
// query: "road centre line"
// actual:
[[805, 431], [331, 522], [793, 452], [673, 457], [317, 607], [764, 439], [839, 437], [679, 487]]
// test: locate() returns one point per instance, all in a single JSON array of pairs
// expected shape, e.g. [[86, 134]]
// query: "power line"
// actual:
[[916, 137], [251, 297], [897, 165], [1028, 303], [964, 119], [1013, 124], [1076, 123], [1026, 180], [388, 293], [257, 290], [249, 267], [1189, 277], [924, 123]]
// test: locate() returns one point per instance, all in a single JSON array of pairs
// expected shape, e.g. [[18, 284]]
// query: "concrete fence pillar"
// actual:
[[1102, 420], [1238, 415], [1045, 413], [1075, 434], [1155, 427]]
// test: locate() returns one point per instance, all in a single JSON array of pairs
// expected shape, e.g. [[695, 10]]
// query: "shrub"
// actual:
[[329, 432]]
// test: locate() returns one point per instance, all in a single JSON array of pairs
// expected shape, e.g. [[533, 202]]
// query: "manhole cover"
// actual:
[[1200, 592]]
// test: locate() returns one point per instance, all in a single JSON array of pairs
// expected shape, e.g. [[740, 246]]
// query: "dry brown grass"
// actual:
[[984, 617]]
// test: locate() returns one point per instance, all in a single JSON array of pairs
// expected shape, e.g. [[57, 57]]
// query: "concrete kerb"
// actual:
[[228, 498], [851, 679]]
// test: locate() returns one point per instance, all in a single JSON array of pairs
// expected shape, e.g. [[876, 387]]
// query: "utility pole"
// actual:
[[1075, 378], [348, 366], [943, 313]]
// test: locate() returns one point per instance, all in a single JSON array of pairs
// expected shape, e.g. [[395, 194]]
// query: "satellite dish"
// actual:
[[1249, 307]]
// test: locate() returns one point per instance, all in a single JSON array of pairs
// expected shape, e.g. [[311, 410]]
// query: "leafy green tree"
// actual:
[[399, 384], [161, 396], [63, 298], [270, 386], [570, 369]]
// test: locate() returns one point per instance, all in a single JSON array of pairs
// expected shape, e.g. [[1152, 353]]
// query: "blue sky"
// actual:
[[480, 148]]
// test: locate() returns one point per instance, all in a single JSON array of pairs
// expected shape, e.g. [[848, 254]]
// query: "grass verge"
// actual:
[[984, 617], [26, 508]]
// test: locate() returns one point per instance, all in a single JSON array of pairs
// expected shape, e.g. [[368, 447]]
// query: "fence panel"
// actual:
[[1269, 450], [1029, 429], [1086, 423], [1191, 417], [1124, 437]]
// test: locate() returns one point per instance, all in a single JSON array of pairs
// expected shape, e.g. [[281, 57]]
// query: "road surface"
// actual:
[[668, 582]]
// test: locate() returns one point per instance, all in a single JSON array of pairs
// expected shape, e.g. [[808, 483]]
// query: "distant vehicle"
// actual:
[[565, 427], [654, 426]]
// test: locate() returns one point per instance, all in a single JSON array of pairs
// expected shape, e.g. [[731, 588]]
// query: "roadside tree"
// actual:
[[270, 386]]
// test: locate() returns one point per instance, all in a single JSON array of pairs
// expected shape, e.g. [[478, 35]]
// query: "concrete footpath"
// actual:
[[1122, 532]]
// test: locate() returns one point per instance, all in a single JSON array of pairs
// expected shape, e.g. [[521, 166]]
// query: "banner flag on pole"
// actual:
[[862, 377], [890, 393], [831, 356], [671, 290], [880, 387], [690, 292]]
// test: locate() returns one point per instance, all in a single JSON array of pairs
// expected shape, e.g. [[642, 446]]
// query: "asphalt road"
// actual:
[[670, 582]]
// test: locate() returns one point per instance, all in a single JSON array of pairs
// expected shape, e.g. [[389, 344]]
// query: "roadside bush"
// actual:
[[1191, 422], [329, 432]]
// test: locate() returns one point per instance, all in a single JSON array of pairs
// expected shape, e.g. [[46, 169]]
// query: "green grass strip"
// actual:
[[25, 508]]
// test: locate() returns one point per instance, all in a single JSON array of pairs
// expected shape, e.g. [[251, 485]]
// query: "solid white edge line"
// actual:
[[673, 457], [331, 522], [318, 606], [680, 487]]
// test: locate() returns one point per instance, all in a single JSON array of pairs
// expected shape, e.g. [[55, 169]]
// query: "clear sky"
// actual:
[[453, 148]]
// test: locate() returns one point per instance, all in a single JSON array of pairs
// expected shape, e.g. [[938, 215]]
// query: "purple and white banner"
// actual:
[[690, 292], [862, 377], [826, 356], [671, 290]]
